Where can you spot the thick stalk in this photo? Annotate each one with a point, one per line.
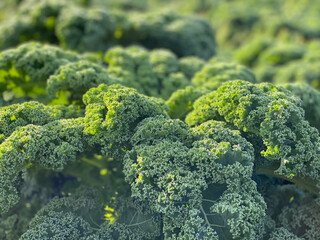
(306, 182)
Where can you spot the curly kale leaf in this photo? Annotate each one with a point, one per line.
(51, 146)
(34, 62)
(84, 216)
(181, 101)
(190, 66)
(214, 73)
(302, 218)
(24, 70)
(112, 113)
(76, 78)
(283, 234)
(18, 115)
(78, 215)
(273, 121)
(190, 177)
(310, 101)
(156, 73)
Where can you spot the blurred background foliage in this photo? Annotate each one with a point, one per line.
(237, 22)
(244, 29)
